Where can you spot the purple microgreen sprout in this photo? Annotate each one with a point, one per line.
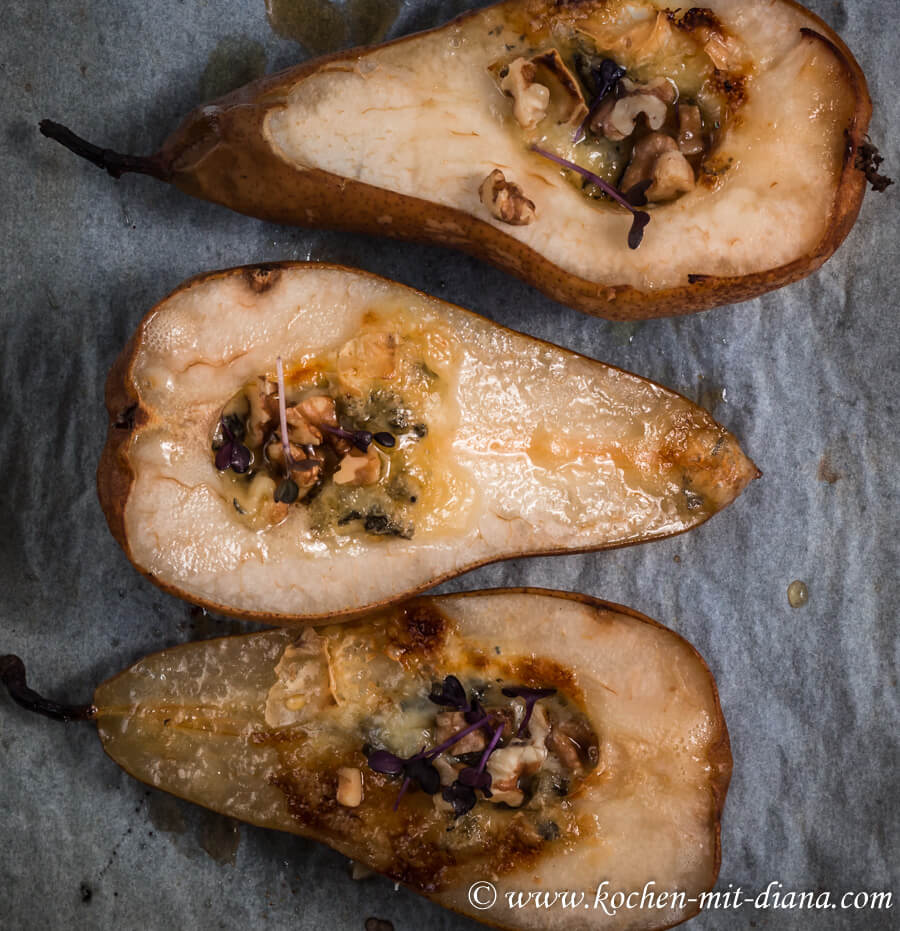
(475, 712)
(282, 411)
(361, 439)
(636, 195)
(451, 694)
(607, 77)
(641, 217)
(460, 796)
(458, 736)
(479, 778)
(425, 774)
(383, 761)
(403, 787)
(287, 491)
(530, 696)
(232, 454)
(421, 771)
(419, 767)
(416, 769)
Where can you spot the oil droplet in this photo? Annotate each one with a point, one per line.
(624, 332)
(798, 594)
(234, 62)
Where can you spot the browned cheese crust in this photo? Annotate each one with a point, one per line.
(416, 635)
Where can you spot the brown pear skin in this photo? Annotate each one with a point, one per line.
(238, 152)
(268, 727)
(513, 447)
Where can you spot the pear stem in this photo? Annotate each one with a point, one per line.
(12, 675)
(113, 162)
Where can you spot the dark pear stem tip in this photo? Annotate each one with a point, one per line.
(113, 162)
(12, 675)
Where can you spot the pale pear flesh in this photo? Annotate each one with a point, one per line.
(530, 448)
(196, 721)
(425, 119)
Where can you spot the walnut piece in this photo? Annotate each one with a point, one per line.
(319, 411)
(530, 100)
(365, 359)
(448, 723)
(350, 787)
(617, 118)
(275, 451)
(300, 430)
(506, 200)
(519, 758)
(656, 158)
(359, 468)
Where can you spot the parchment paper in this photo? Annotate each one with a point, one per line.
(806, 377)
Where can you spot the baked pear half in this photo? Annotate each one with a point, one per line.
(628, 159)
(477, 748)
(296, 441)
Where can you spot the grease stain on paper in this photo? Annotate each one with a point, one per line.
(322, 26)
(220, 836)
(234, 62)
(710, 395)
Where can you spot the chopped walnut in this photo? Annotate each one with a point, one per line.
(672, 175)
(506, 200)
(565, 748)
(519, 758)
(448, 723)
(275, 451)
(306, 472)
(366, 358)
(656, 158)
(617, 118)
(359, 468)
(512, 797)
(507, 765)
(575, 743)
(319, 411)
(350, 787)
(530, 100)
(300, 430)
(261, 415)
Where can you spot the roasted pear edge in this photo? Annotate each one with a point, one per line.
(204, 155)
(115, 475)
(719, 756)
